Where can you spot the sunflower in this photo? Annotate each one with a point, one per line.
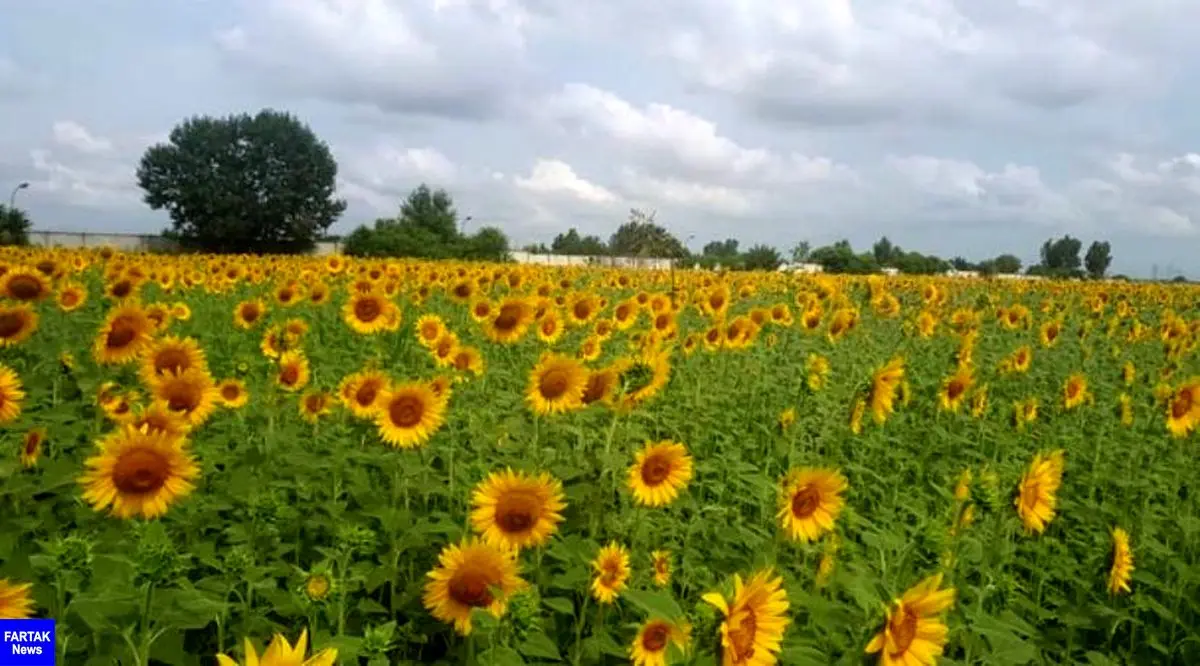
(15, 600)
(181, 311)
(275, 342)
(468, 359)
(370, 313)
(660, 470)
(914, 634)
(515, 510)
(171, 355)
(430, 329)
(470, 575)
(1122, 563)
(317, 586)
(31, 446)
(293, 372)
(361, 392)
(1183, 406)
(954, 389)
(11, 394)
(247, 314)
(441, 386)
(550, 327)
(282, 653)
(810, 502)
(123, 336)
(602, 384)
(512, 318)
(481, 310)
(883, 388)
(24, 284)
(650, 646)
(556, 384)
(755, 619)
(160, 315)
(409, 414)
(1050, 333)
(232, 393)
(660, 562)
(611, 567)
(1036, 497)
(318, 293)
(1075, 391)
(315, 404)
(138, 473)
(17, 323)
(643, 377)
(444, 349)
(158, 417)
(190, 393)
(590, 348)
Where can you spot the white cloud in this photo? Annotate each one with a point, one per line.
(655, 192)
(383, 174)
(550, 176)
(72, 135)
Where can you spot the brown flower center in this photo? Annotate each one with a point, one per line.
(11, 323)
(955, 389)
(655, 637)
(24, 288)
(367, 310)
(140, 471)
(406, 411)
(904, 630)
(121, 333)
(554, 383)
(741, 638)
(517, 511)
(805, 501)
(470, 588)
(366, 394)
(230, 392)
(656, 469)
(290, 375)
(32, 441)
(182, 397)
(171, 360)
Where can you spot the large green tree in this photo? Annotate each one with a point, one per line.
(642, 237)
(426, 227)
(242, 183)
(14, 226)
(1098, 258)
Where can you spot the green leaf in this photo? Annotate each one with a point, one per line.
(559, 605)
(500, 656)
(539, 645)
(656, 604)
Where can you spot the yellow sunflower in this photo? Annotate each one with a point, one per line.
(755, 619)
(884, 385)
(370, 313)
(811, 502)
(650, 646)
(315, 404)
(248, 314)
(659, 472)
(660, 562)
(24, 284)
(123, 336)
(15, 601)
(611, 568)
(282, 653)
(470, 575)
(17, 323)
(954, 389)
(430, 329)
(232, 393)
(550, 327)
(643, 377)
(556, 384)
(444, 349)
(11, 394)
(181, 311)
(170, 355)
(468, 359)
(1075, 391)
(138, 473)
(1036, 497)
(1121, 572)
(409, 414)
(361, 392)
(516, 510)
(191, 394)
(158, 417)
(294, 372)
(914, 633)
(31, 446)
(512, 318)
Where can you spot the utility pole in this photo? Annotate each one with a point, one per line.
(12, 198)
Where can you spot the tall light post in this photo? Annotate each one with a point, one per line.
(466, 219)
(12, 198)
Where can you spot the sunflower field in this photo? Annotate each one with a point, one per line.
(280, 461)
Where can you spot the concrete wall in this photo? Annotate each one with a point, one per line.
(582, 260)
(72, 239)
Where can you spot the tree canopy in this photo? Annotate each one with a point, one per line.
(572, 243)
(1097, 259)
(426, 227)
(261, 183)
(641, 237)
(14, 226)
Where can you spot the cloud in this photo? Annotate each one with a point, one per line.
(85, 169)
(551, 177)
(383, 174)
(71, 134)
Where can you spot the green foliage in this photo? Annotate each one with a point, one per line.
(572, 243)
(1007, 264)
(641, 237)
(1060, 257)
(14, 226)
(243, 183)
(1098, 258)
(840, 258)
(761, 258)
(427, 227)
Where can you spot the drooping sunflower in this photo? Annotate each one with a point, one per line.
(914, 633)
(369, 313)
(884, 385)
(15, 601)
(650, 646)
(123, 336)
(470, 575)
(361, 392)
(442, 386)
(602, 384)
(315, 404)
(643, 376)
(247, 314)
(556, 384)
(409, 414)
(810, 502)
(160, 315)
(191, 393)
(516, 510)
(659, 472)
(138, 473)
(468, 359)
(1183, 408)
(954, 389)
(660, 562)
(11, 394)
(282, 653)
(31, 446)
(611, 569)
(1037, 493)
(181, 311)
(232, 393)
(24, 284)
(444, 349)
(17, 323)
(170, 355)
(294, 372)
(1121, 571)
(157, 417)
(430, 329)
(755, 619)
(1075, 391)
(511, 320)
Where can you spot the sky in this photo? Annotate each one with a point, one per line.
(952, 127)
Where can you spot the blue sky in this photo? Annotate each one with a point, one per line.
(952, 127)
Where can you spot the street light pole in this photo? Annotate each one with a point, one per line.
(12, 198)
(464, 224)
